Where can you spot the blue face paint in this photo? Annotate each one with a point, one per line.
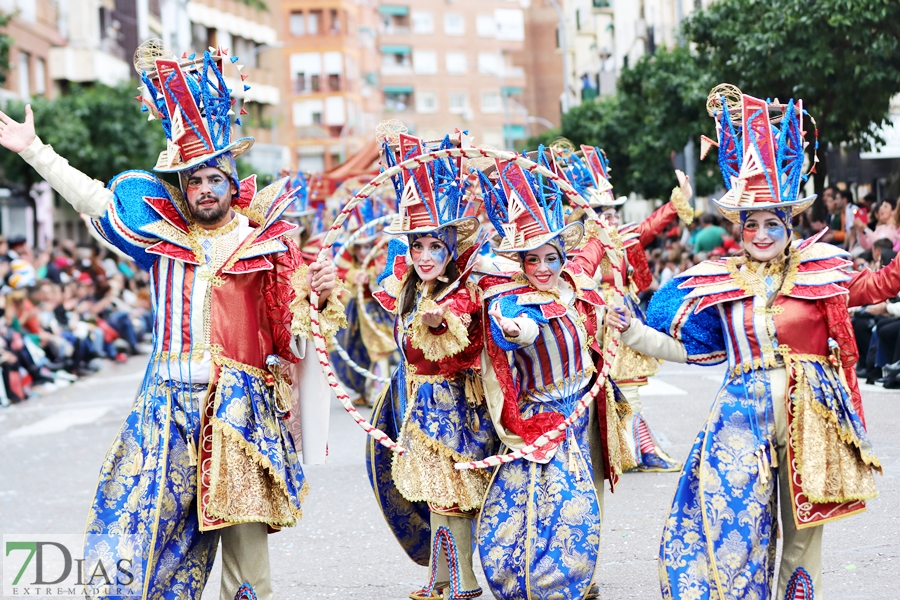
(776, 232)
(220, 189)
(440, 256)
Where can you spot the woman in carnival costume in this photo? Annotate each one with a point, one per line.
(539, 530)
(205, 453)
(786, 431)
(589, 174)
(434, 406)
(368, 339)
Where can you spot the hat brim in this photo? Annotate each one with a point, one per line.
(733, 213)
(236, 148)
(571, 235)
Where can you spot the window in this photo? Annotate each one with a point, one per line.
(456, 63)
(488, 63)
(335, 113)
(396, 62)
(306, 69)
(335, 19)
(397, 101)
(307, 113)
(510, 24)
(40, 76)
(426, 102)
(296, 24)
(24, 75)
(425, 62)
(312, 22)
(395, 24)
(454, 24)
(458, 102)
(422, 22)
(490, 102)
(486, 26)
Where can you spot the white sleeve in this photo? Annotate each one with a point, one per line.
(86, 195)
(892, 308)
(647, 340)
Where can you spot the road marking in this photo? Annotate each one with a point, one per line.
(656, 387)
(60, 421)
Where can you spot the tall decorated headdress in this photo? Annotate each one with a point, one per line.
(589, 174)
(432, 196)
(191, 99)
(761, 151)
(526, 209)
(299, 208)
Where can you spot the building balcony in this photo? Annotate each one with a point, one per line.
(87, 65)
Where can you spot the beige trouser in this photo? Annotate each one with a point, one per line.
(596, 444)
(803, 547)
(461, 530)
(245, 559)
(632, 394)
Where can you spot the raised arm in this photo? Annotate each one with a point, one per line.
(868, 287)
(677, 206)
(86, 195)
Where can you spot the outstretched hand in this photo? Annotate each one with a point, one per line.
(508, 326)
(618, 317)
(684, 182)
(17, 136)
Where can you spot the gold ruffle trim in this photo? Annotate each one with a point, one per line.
(831, 463)
(243, 485)
(620, 457)
(630, 364)
(425, 473)
(331, 318)
(682, 206)
(438, 347)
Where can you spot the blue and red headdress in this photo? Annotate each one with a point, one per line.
(527, 209)
(589, 175)
(431, 196)
(760, 155)
(192, 101)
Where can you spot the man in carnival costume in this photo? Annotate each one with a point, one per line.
(589, 174)
(786, 432)
(205, 453)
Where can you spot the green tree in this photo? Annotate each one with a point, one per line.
(842, 57)
(100, 130)
(5, 44)
(657, 108)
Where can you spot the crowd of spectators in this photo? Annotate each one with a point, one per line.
(65, 311)
(867, 228)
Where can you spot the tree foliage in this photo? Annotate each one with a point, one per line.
(6, 42)
(100, 130)
(842, 57)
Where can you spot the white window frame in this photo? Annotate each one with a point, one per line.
(486, 26)
(489, 63)
(491, 102)
(425, 62)
(454, 24)
(454, 106)
(457, 63)
(426, 102)
(421, 22)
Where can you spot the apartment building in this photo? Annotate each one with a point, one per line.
(331, 74)
(448, 65)
(249, 29)
(34, 30)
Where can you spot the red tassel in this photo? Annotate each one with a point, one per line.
(813, 170)
(244, 77)
(184, 55)
(244, 111)
(233, 100)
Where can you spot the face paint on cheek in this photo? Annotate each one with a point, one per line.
(748, 234)
(776, 232)
(220, 189)
(439, 256)
(531, 268)
(415, 254)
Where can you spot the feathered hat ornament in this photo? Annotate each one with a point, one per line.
(761, 151)
(527, 209)
(190, 98)
(431, 197)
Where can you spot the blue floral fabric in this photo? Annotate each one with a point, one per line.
(539, 530)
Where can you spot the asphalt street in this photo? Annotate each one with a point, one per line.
(51, 449)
